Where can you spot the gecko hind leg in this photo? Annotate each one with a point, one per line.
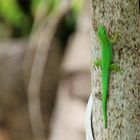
(114, 39)
(115, 68)
(98, 63)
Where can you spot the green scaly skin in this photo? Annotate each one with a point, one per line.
(106, 65)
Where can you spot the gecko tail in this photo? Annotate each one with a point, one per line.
(105, 114)
(105, 120)
(104, 97)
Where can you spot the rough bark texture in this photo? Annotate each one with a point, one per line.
(123, 105)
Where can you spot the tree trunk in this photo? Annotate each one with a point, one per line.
(123, 103)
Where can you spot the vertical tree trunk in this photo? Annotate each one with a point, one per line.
(123, 103)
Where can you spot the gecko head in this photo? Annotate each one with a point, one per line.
(101, 31)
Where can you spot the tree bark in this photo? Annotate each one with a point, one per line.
(123, 103)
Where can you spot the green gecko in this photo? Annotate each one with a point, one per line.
(106, 64)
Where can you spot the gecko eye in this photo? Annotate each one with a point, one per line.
(104, 31)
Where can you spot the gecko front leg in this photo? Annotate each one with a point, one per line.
(114, 39)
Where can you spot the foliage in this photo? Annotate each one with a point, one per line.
(51, 5)
(12, 15)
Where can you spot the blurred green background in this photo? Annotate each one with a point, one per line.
(17, 16)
